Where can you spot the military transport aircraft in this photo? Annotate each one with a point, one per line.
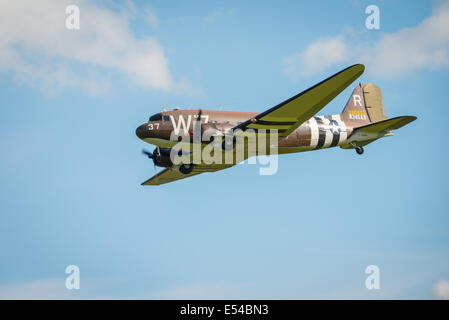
(362, 121)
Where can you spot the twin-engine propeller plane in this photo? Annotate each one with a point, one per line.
(298, 129)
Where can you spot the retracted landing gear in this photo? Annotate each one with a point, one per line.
(186, 168)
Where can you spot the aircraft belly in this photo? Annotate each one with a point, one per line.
(285, 150)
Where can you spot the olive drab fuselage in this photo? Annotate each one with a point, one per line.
(316, 133)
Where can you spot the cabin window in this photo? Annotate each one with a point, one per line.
(156, 117)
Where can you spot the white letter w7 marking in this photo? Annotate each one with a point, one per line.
(181, 123)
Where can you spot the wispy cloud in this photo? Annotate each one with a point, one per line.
(39, 289)
(218, 14)
(37, 48)
(425, 46)
(441, 290)
(152, 18)
(207, 291)
(317, 57)
(54, 288)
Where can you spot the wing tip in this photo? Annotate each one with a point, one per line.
(358, 66)
(409, 118)
(146, 183)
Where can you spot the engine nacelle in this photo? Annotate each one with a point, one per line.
(161, 157)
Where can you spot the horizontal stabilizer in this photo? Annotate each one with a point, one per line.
(365, 134)
(386, 125)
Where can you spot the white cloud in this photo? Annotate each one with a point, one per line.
(441, 290)
(317, 57)
(37, 48)
(425, 46)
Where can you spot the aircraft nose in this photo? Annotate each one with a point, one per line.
(142, 131)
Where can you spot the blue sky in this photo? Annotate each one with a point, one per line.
(71, 166)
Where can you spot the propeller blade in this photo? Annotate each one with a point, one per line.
(147, 153)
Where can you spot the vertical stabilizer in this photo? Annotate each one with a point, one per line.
(364, 105)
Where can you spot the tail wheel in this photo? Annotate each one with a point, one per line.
(359, 150)
(186, 168)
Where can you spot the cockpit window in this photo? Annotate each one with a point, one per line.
(166, 118)
(156, 117)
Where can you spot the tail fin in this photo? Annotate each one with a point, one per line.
(364, 105)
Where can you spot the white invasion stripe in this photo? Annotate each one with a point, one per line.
(329, 135)
(343, 132)
(314, 132)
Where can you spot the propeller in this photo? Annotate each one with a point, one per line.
(155, 155)
(197, 123)
(147, 153)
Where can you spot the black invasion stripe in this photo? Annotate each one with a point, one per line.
(278, 130)
(270, 123)
(322, 134)
(336, 134)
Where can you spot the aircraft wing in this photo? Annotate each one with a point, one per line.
(290, 114)
(373, 131)
(172, 174)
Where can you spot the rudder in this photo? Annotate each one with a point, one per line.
(373, 102)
